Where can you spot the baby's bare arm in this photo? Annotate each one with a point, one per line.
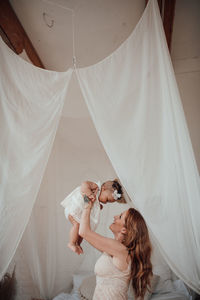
(89, 189)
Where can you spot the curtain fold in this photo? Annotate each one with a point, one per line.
(30, 109)
(135, 105)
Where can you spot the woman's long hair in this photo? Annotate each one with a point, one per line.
(139, 248)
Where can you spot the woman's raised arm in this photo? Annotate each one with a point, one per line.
(103, 244)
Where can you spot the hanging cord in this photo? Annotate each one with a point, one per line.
(73, 40)
(73, 29)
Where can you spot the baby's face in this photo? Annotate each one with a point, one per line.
(106, 196)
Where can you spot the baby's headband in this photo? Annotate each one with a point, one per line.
(116, 195)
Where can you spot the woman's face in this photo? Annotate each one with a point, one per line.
(119, 222)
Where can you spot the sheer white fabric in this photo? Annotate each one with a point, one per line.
(135, 105)
(31, 103)
(75, 157)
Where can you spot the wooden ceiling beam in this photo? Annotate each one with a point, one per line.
(167, 9)
(14, 34)
(168, 19)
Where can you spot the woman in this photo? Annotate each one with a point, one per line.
(124, 258)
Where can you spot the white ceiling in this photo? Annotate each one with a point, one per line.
(100, 27)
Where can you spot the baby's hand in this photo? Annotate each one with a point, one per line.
(92, 197)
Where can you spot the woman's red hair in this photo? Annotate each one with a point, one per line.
(139, 247)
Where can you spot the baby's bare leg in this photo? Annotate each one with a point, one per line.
(79, 244)
(74, 236)
(79, 240)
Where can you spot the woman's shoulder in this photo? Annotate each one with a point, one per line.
(121, 253)
(123, 262)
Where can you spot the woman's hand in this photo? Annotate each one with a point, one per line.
(87, 202)
(90, 189)
(92, 197)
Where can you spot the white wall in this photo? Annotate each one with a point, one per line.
(186, 60)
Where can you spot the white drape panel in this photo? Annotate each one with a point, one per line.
(30, 109)
(135, 105)
(76, 154)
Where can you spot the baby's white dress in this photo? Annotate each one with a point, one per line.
(74, 204)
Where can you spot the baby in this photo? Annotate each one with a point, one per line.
(109, 191)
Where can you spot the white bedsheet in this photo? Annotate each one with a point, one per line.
(171, 296)
(64, 296)
(166, 296)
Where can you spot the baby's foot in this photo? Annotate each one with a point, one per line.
(79, 249)
(72, 247)
(75, 248)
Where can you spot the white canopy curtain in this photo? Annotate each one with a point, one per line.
(31, 103)
(135, 105)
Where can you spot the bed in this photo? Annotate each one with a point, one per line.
(164, 289)
(165, 284)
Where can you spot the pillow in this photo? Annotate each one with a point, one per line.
(179, 286)
(165, 284)
(87, 288)
(78, 279)
(147, 296)
(161, 268)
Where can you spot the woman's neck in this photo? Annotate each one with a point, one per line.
(119, 237)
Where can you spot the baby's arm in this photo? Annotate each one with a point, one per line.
(89, 189)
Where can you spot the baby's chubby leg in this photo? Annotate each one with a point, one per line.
(80, 239)
(74, 244)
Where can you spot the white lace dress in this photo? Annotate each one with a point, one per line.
(111, 283)
(74, 204)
